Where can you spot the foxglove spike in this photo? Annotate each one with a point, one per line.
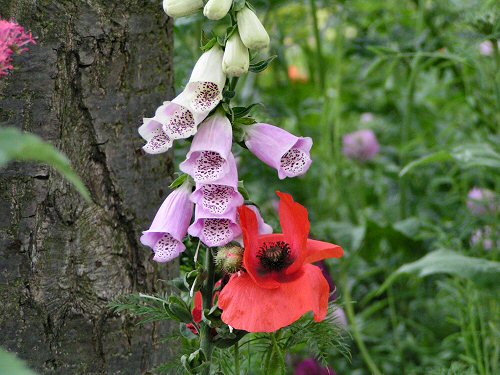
(157, 140)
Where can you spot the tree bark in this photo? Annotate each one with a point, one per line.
(98, 67)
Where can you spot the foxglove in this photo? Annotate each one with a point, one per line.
(214, 230)
(170, 225)
(180, 118)
(157, 140)
(288, 154)
(252, 32)
(236, 59)
(181, 8)
(217, 9)
(208, 159)
(222, 195)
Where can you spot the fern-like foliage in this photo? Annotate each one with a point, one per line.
(148, 308)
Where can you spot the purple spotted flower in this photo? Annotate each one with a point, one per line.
(482, 201)
(208, 159)
(361, 145)
(214, 230)
(221, 195)
(311, 367)
(180, 118)
(170, 225)
(288, 154)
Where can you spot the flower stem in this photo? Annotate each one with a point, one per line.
(236, 359)
(207, 292)
(355, 329)
(319, 50)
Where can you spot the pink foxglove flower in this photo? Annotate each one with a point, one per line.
(288, 154)
(361, 145)
(208, 159)
(170, 225)
(181, 117)
(157, 140)
(214, 230)
(222, 195)
(482, 201)
(13, 40)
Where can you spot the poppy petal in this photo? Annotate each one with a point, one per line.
(198, 307)
(319, 250)
(248, 307)
(250, 229)
(295, 224)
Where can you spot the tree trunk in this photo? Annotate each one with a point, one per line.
(98, 67)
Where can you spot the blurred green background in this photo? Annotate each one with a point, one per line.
(424, 76)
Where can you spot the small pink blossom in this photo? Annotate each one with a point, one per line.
(484, 237)
(361, 145)
(486, 48)
(482, 201)
(13, 40)
(367, 117)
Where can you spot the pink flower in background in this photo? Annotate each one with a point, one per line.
(484, 237)
(170, 225)
(222, 195)
(288, 154)
(13, 40)
(486, 48)
(361, 145)
(312, 367)
(482, 201)
(208, 159)
(367, 117)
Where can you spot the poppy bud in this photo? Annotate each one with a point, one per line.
(236, 57)
(181, 8)
(252, 32)
(229, 258)
(217, 9)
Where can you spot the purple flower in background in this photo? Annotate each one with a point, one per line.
(288, 154)
(13, 40)
(339, 312)
(221, 195)
(170, 225)
(180, 117)
(157, 140)
(484, 237)
(367, 117)
(214, 230)
(361, 145)
(207, 160)
(486, 48)
(312, 367)
(481, 201)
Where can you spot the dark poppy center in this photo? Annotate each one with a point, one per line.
(274, 256)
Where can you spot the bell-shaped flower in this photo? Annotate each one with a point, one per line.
(288, 154)
(214, 230)
(208, 159)
(157, 140)
(279, 284)
(181, 8)
(217, 9)
(181, 117)
(170, 225)
(236, 57)
(252, 32)
(222, 195)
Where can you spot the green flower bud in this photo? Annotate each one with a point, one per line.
(236, 57)
(217, 9)
(181, 8)
(252, 32)
(229, 258)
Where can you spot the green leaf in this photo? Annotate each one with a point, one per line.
(261, 65)
(20, 146)
(238, 5)
(243, 111)
(439, 156)
(179, 181)
(481, 271)
(10, 364)
(243, 191)
(208, 45)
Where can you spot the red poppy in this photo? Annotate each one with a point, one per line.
(279, 285)
(197, 312)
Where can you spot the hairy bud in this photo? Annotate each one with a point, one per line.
(229, 258)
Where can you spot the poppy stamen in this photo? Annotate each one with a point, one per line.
(274, 256)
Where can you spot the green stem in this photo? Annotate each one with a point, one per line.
(346, 293)
(236, 359)
(319, 50)
(207, 292)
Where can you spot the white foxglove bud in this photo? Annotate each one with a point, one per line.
(252, 32)
(181, 8)
(236, 57)
(217, 9)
